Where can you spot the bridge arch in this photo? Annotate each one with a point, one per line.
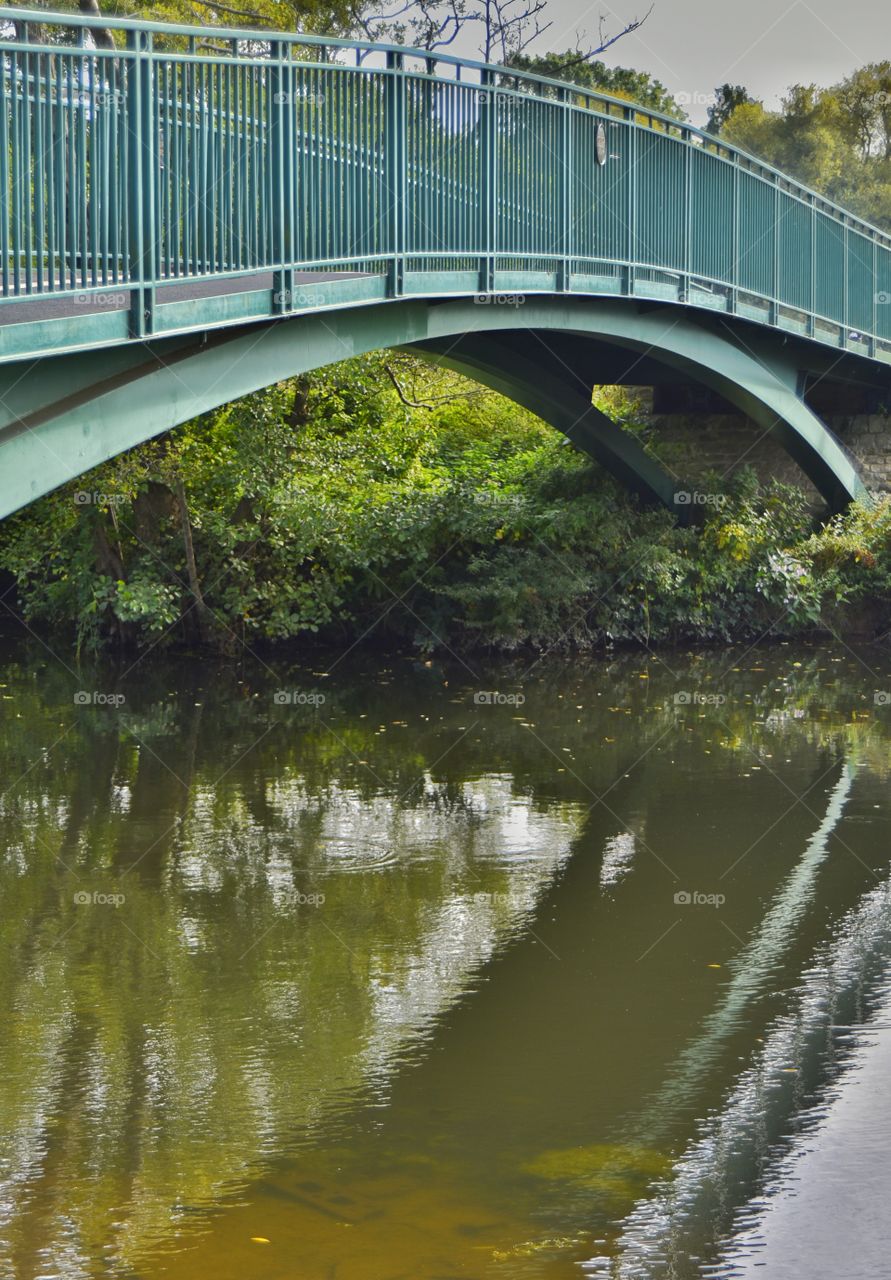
(63, 416)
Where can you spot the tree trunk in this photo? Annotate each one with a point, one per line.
(201, 611)
(102, 37)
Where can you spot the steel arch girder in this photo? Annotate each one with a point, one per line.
(569, 409)
(48, 440)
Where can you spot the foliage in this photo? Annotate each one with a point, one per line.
(727, 98)
(836, 140)
(341, 505)
(620, 82)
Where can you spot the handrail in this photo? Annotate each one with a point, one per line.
(688, 132)
(145, 166)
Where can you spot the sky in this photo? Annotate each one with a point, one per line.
(694, 45)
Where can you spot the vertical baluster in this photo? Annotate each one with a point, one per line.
(40, 157)
(19, 67)
(7, 89)
(142, 150)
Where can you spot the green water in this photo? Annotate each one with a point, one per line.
(385, 979)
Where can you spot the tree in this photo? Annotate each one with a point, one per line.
(727, 98)
(866, 98)
(835, 140)
(620, 82)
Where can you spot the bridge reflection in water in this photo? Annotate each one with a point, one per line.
(400, 980)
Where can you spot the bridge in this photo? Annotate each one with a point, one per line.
(197, 213)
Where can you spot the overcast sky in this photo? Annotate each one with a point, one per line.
(693, 45)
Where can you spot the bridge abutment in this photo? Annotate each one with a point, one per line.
(698, 440)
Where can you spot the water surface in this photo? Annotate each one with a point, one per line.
(427, 970)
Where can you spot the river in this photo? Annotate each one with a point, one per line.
(405, 969)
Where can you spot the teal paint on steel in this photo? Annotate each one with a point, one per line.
(272, 175)
(60, 417)
(271, 152)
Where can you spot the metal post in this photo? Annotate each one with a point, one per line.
(774, 308)
(735, 239)
(811, 320)
(564, 190)
(395, 171)
(875, 300)
(142, 159)
(280, 107)
(632, 200)
(688, 211)
(488, 179)
(845, 309)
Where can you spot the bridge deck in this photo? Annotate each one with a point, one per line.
(54, 305)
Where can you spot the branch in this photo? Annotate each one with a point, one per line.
(426, 404)
(605, 42)
(234, 13)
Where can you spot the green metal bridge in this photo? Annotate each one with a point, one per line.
(198, 213)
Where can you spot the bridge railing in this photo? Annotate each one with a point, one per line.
(190, 155)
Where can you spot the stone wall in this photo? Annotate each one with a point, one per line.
(693, 445)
